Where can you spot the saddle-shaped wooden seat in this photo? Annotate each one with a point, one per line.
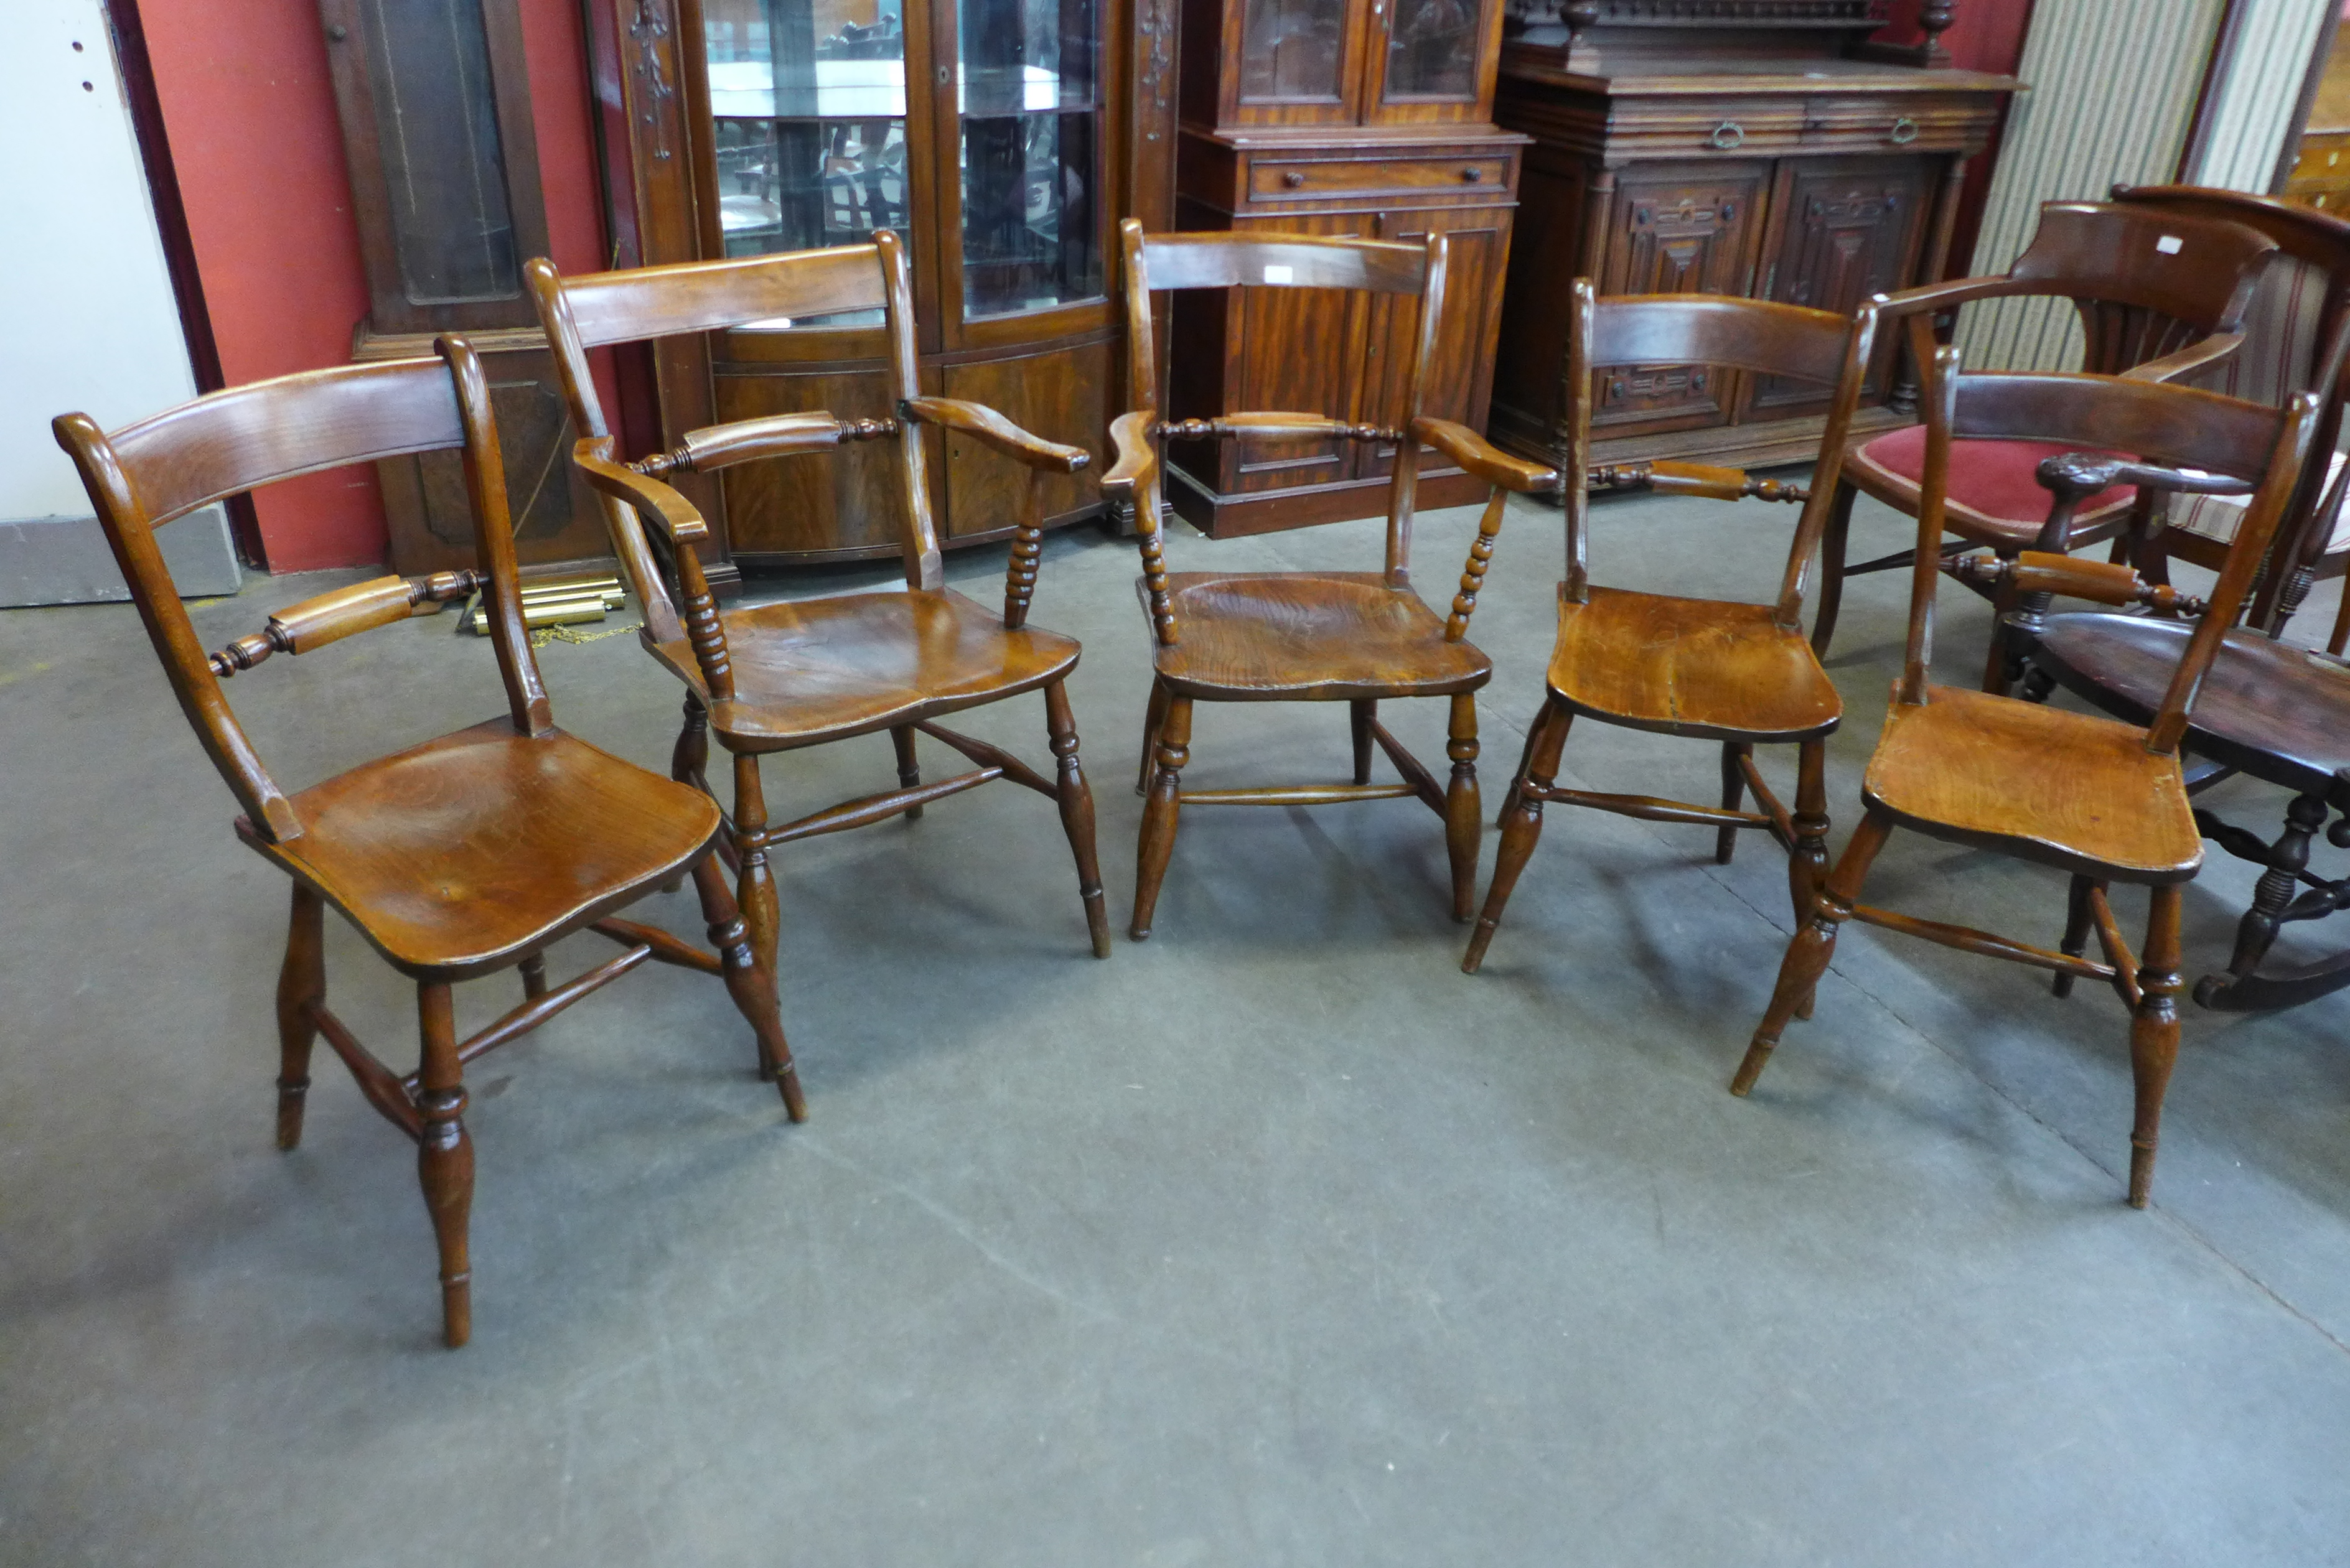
(1279, 637)
(1704, 668)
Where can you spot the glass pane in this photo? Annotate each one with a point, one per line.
(1031, 103)
(1293, 50)
(1432, 49)
(438, 127)
(809, 98)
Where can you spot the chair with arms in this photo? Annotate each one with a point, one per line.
(2103, 800)
(456, 859)
(1741, 675)
(779, 677)
(1292, 637)
(2159, 295)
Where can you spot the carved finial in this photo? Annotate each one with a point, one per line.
(1934, 19)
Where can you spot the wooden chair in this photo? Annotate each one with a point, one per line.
(456, 859)
(1739, 674)
(1310, 636)
(2102, 800)
(2159, 295)
(781, 677)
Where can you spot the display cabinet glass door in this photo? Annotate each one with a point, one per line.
(1300, 63)
(808, 104)
(1029, 131)
(1428, 60)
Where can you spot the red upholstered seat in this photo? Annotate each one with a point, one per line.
(1996, 492)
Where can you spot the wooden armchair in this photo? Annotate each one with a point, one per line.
(456, 859)
(2159, 295)
(780, 677)
(1311, 637)
(2102, 800)
(1739, 674)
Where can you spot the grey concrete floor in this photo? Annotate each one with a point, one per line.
(1272, 1240)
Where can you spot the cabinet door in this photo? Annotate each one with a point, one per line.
(1430, 60)
(1841, 230)
(1294, 62)
(1480, 245)
(1677, 231)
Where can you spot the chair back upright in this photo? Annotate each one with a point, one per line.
(229, 442)
(2296, 340)
(1752, 335)
(595, 309)
(1166, 263)
(2182, 434)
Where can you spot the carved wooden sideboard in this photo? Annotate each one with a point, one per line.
(1752, 147)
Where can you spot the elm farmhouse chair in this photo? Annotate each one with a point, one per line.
(2103, 800)
(1306, 636)
(779, 677)
(2270, 709)
(456, 859)
(1741, 675)
(2158, 295)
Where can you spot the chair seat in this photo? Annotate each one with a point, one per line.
(1273, 637)
(2070, 790)
(463, 855)
(1689, 667)
(811, 670)
(1996, 497)
(2274, 709)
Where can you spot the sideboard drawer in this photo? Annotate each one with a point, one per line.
(1308, 179)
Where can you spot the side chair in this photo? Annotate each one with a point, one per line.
(2102, 800)
(1358, 637)
(2159, 295)
(1741, 675)
(780, 677)
(457, 858)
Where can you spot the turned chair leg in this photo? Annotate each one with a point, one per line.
(1361, 714)
(444, 1156)
(1814, 945)
(909, 769)
(1833, 545)
(687, 762)
(1807, 867)
(1525, 755)
(1733, 795)
(1159, 814)
(1076, 802)
(1524, 827)
(2078, 917)
(1463, 812)
(753, 988)
(301, 987)
(534, 975)
(1150, 722)
(2287, 859)
(756, 889)
(2153, 1035)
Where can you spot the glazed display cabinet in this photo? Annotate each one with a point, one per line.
(1763, 147)
(989, 134)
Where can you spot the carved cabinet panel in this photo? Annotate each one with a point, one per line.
(1678, 232)
(1842, 231)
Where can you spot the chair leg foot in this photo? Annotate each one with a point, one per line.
(1808, 866)
(2154, 1037)
(1521, 830)
(1464, 813)
(1160, 812)
(301, 987)
(752, 988)
(1076, 803)
(445, 1158)
(1814, 947)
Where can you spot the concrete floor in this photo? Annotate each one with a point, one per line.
(1272, 1240)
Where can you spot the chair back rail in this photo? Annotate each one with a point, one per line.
(2168, 427)
(2147, 284)
(232, 441)
(1759, 336)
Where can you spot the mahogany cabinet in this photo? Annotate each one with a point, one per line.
(1361, 118)
(997, 137)
(1750, 148)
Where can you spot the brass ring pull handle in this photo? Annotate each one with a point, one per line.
(1728, 137)
(1905, 131)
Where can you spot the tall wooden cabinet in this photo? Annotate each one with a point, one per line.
(1365, 118)
(1750, 147)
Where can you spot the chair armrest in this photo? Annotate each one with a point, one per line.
(2099, 581)
(1137, 457)
(2079, 474)
(987, 426)
(1475, 454)
(672, 514)
(1670, 478)
(330, 617)
(2209, 351)
(1939, 296)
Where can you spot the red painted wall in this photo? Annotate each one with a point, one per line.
(249, 110)
(1987, 36)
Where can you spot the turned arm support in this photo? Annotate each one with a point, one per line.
(344, 612)
(2100, 582)
(1135, 458)
(669, 512)
(1693, 479)
(1133, 476)
(1474, 455)
(990, 428)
